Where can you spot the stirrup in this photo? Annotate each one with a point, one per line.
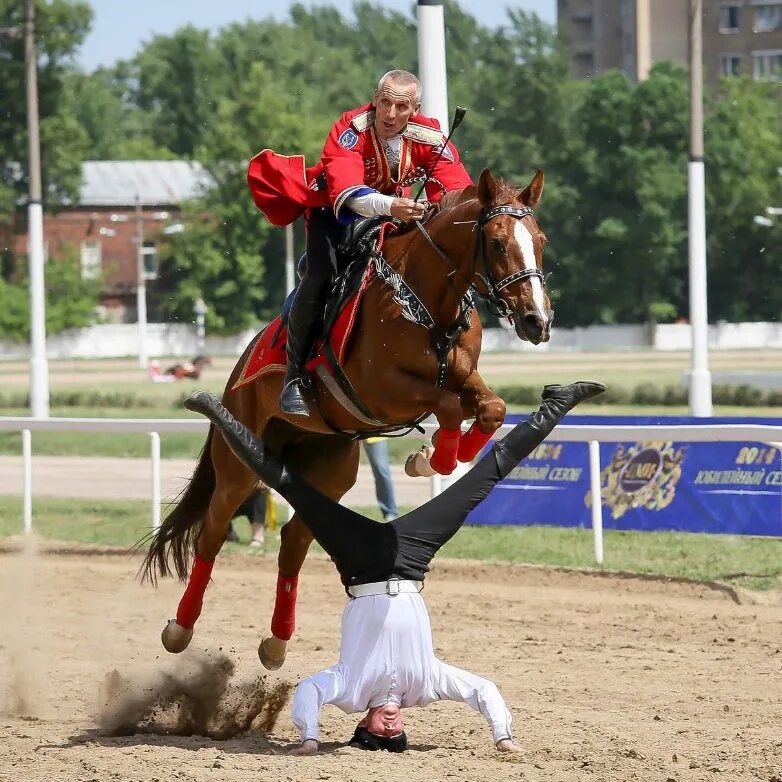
(291, 400)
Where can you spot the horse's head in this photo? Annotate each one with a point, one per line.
(510, 251)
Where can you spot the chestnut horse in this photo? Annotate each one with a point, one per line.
(483, 239)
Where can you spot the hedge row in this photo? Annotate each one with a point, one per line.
(89, 398)
(644, 394)
(652, 394)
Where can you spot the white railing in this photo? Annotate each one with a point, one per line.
(593, 435)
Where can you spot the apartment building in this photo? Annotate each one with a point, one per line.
(740, 37)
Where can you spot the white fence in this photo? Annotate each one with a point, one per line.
(115, 340)
(593, 435)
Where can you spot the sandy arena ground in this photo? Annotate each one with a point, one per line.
(608, 679)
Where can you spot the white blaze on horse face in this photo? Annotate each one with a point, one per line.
(524, 240)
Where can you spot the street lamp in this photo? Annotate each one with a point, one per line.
(700, 377)
(200, 308)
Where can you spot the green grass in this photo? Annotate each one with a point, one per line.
(754, 563)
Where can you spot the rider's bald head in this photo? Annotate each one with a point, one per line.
(402, 80)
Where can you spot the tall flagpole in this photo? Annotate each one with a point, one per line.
(39, 368)
(431, 61)
(700, 377)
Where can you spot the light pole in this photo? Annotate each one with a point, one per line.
(700, 377)
(431, 61)
(39, 367)
(141, 287)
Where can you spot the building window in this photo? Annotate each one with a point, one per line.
(767, 65)
(90, 259)
(151, 260)
(729, 19)
(730, 65)
(768, 17)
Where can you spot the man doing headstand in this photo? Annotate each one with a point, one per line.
(387, 659)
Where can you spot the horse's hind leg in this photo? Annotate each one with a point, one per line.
(233, 483)
(332, 471)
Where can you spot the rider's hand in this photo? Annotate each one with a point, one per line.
(407, 210)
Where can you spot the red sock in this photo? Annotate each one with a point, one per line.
(284, 616)
(190, 605)
(471, 443)
(444, 457)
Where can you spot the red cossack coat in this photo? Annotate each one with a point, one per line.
(354, 163)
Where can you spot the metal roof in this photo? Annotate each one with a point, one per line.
(154, 182)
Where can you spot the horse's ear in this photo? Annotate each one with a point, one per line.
(487, 188)
(533, 191)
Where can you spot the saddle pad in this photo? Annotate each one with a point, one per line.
(268, 355)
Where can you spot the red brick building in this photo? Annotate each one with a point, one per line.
(115, 196)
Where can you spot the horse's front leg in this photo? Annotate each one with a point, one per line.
(446, 407)
(233, 483)
(479, 402)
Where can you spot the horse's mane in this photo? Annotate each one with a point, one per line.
(506, 193)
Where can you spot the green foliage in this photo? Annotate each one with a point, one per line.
(614, 152)
(61, 27)
(70, 301)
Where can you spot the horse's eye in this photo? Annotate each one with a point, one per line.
(499, 246)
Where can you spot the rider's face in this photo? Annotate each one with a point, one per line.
(394, 105)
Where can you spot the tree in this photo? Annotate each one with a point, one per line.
(61, 26)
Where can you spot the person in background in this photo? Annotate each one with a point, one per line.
(255, 508)
(376, 449)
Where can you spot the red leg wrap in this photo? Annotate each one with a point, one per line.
(190, 605)
(444, 457)
(471, 443)
(284, 616)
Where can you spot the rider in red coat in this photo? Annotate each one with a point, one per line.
(371, 158)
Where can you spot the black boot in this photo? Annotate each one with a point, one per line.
(556, 402)
(248, 448)
(304, 321)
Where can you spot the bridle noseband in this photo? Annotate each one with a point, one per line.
(494, 301)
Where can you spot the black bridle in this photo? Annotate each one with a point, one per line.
(493, 298)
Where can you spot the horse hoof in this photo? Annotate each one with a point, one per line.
(176, 638)
(417, 464)
(272, 653)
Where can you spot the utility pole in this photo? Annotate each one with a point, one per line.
(700, 377)
(141, 287)
(39, 367)
(431, 61)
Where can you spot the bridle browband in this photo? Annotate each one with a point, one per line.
(493, 298)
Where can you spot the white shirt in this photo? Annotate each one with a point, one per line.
(376, 204)
(387, 656)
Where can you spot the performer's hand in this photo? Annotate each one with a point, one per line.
(407, 210)
(308, 747)
(508, 745)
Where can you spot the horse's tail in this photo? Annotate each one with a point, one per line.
(174, 542)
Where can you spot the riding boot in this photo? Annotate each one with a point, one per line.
(240, 440)
(556, 401)
(304, 321)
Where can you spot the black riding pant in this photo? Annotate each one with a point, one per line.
(365, 550)
(324, 235)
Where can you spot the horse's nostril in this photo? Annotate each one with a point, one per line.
(533, 323)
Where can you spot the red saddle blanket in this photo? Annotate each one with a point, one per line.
(268, 355)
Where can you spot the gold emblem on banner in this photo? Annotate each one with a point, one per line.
(643, 475)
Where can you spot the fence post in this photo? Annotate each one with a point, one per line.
(154, 438)
(27, 481)
(597, 500)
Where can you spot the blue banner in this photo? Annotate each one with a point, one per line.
(732, 488)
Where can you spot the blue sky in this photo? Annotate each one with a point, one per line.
(120, 27)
